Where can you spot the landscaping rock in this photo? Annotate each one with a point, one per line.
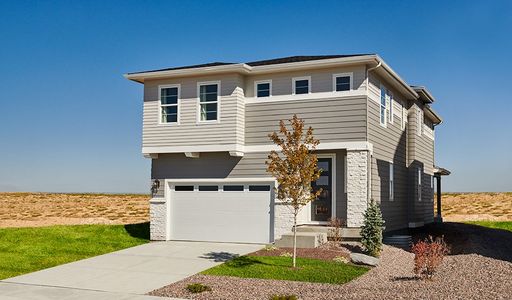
(361, 259)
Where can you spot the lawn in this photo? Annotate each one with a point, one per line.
(277, 267)
(24, 250)
(492, 224)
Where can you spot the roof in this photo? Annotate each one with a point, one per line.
(441, 171)
(275, 61)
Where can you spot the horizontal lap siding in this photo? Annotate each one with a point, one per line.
(321, 80)
(189, 132)
(333, 120)
(389, 145)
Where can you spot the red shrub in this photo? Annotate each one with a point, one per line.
(428, 255)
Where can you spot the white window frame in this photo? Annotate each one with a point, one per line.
(419, 121)
(295, 79)
(348, 74)
(198, 106)
(420, 189)
(262, 82)
(385, 123)
(391, 181)
(404, 116)
(390, 100)
(160, 105)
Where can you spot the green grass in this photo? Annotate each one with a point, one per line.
(270, 267)
(505, 225)
(24, 250)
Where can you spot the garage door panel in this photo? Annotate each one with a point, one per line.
(231, 216)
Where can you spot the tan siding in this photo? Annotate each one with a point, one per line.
(230, 129)
(321, 80)
(334, 119)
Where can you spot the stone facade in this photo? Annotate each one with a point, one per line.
(283, 219)
(158, 217)
(357, 187)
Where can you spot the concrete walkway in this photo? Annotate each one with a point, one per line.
(124, 274)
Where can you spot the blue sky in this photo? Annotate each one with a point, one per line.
(71, 123)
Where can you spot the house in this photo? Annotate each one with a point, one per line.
(205, 129)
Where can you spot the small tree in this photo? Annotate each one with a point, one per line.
(294, 168)
(371, 231)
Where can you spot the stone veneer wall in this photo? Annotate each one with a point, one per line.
(357, 186)
(158, 219)
(283, 219)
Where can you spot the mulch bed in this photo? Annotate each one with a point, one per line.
(328, 251)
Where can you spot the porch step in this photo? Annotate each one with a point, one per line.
(399, 241)
(347, 234)
(304, 239)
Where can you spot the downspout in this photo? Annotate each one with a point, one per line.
(370, 156)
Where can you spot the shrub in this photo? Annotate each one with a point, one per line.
(334, 232)
(340, 259)
(283, 297)
(371, 231)
(198, 288)
(286, 254)
(270, 247)
(428, 255)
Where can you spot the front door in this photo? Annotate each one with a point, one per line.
(321, 208)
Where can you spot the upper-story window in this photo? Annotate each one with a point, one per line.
(342, 82)
(389, 102)
(301, 85)
(208, 101)
(383, 118)
(169, 95)
(404, 116)
(420, 174)
(263, 88)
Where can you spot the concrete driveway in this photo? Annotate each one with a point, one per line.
(123, 274)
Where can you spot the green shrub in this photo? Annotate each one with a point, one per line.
(198, 288)
(283, 297)
(371, 231)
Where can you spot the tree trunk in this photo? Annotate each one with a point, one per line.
(294, 238)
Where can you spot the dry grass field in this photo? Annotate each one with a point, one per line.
(463, 207)
(43, 209)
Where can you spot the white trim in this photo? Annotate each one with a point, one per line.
(311, 96)
(236, 153)
(355, 146)
(221, 180)
(294, 79)
(389, 95)
(332, 156)
(385, 123)
(192, 154)
(198, 106)
(348, 74)
(420, 184)
(178, 102)
(151, 155)
(269, 81)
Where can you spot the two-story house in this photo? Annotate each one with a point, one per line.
(205, 129)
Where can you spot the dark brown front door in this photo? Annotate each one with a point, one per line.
(321, 207)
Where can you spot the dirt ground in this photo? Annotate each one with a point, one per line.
(42, 209)
(477, 207)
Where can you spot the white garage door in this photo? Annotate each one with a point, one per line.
(221, 212)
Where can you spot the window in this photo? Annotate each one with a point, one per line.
(184, 188)
(419, 183)
(208, 188)
(233, 188)
(263, 88)
(391, 182)
(383, 119)
(208, 101)
(419, 122)
(169, 95)
(342, 82)
(259, 188)
(390, 100)
(301, 85)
